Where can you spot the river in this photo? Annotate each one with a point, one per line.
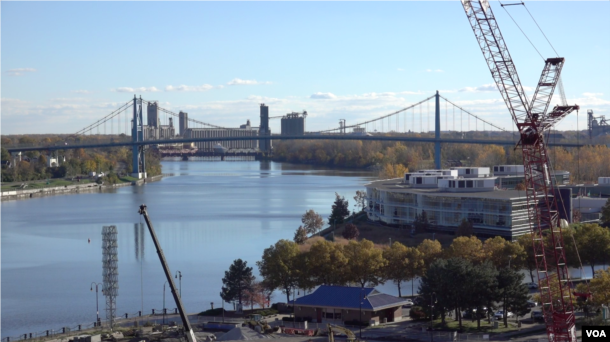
(206, 214)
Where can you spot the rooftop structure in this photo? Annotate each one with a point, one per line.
(329, 304)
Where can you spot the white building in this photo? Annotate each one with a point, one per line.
(448, 197)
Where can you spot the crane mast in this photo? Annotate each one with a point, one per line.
(532, 121)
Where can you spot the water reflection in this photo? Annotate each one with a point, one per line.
(138, 232)
(215, 213)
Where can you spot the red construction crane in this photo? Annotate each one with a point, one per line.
(533, 120)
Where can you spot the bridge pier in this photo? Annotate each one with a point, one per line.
(137, 134)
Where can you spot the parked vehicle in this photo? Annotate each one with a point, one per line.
(419, 301)
(537, 316)
(500, 314)
(532, 286)
(532, 304)
(472, 313)
(408, 304)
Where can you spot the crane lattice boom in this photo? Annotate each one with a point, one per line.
(532, 120)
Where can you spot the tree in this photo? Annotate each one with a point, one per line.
(350, 231)
(328, 263)
(430, 251)
(392, 171)
(255, 295)
(421, 223)
(340, 210)
(520, 186)
(593, 243)
(469, 248)
(403, 263)
(300, 236)
(465, 228)
(414, 265)
(483, 289)
(600, 288)
(525, 241)
(237, 280)
(503, 253)
(5, 155)
(42, 160)
(447, 282)
(277, 266)
(360, 200)
(365, 262)
(513, 293)
(605, 219)
(312, 221)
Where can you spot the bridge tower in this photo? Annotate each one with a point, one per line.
(437, 132)
(137, 134)
(263, 130)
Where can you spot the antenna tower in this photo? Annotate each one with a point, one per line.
(110, 271)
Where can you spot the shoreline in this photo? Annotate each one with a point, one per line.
(71, 189)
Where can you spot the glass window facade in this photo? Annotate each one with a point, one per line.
(491, 216)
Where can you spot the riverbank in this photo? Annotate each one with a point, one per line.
(71, 189)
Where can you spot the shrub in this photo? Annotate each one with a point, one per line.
(350, 231)
(210, 312)
(417, 312)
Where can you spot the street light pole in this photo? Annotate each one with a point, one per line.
(432, 315)
(362, 298)
(97, 306)
(179, 277)
(164, 302)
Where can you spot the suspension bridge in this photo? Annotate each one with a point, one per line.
(420, 122)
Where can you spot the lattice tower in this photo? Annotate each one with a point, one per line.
(110, 273)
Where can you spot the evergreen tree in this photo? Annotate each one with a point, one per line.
(483, 289)
(237, 281)
(340, 210)
(605, 219)
(512, 293)
(300, 236)
(465, 229)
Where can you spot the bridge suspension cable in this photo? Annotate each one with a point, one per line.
(474, 116)
(377, 119)
(104, 119)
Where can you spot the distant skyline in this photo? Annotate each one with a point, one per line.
(67, 64)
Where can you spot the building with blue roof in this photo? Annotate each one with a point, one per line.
(329, 304)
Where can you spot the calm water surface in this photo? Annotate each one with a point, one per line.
(206, 215)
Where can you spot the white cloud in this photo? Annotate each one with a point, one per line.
(592, 94)
(19, 71)
(204, 87)
(484, 87)
(134, 90)
(239, 81)
(81, 91)
(322, 96)
(400, 69)
(434, 70)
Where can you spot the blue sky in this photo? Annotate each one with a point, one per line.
(67, 64)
